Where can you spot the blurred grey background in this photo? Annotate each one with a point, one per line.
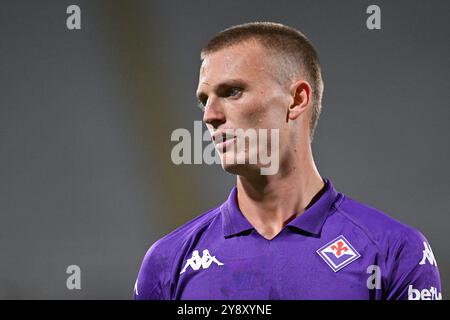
(86, 116)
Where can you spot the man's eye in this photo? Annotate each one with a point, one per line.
(202, 103)
(234, 91)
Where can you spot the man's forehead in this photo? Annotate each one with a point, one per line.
(235, 60)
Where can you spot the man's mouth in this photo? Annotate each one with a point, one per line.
(223, 141)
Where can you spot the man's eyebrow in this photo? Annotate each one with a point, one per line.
(221, 86)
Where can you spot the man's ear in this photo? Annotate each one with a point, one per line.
(301, 94)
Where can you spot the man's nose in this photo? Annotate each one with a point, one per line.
(214, 114)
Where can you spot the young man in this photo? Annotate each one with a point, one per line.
(288, 234)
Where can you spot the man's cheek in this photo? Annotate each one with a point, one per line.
(255, 115)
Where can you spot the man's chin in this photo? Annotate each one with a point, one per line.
(241, 169)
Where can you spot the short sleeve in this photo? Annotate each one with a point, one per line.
(152, 274)
(414, 271)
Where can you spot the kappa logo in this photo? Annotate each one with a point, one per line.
(195, 262)
(428, 255)
(338, 253)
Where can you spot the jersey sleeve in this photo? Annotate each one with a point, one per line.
(150, 284)
(414, 271)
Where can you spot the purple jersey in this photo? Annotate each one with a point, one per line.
(337, 249)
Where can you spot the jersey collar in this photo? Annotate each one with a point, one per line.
(311, 220)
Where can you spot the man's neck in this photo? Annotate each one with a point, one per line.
(271, 202)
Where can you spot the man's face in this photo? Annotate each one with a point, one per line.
(239, 89)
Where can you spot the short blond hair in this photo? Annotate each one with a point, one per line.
(282, 40)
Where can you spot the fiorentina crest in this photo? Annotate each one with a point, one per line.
(338, 253)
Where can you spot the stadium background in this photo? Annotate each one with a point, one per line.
(86, 116)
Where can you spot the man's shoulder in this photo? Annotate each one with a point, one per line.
(405, 255)
(162, 258)
(377, 225)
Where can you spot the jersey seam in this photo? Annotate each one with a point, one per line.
(346, 215)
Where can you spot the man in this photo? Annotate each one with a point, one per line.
(290, 234)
